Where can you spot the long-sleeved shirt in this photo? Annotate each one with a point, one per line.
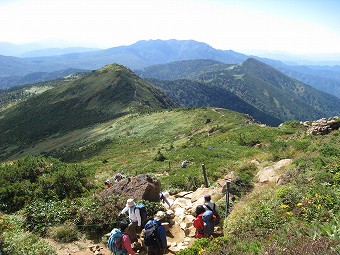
(126, 244)
(211, 205)
(161, 232)
(134, 214)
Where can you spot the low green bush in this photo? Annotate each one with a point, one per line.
(298, 239)
(64, 233)
(152, 207)
(196, 248)
(94, 215)
(244, 181)
(38, 178)
(183, 180)
(97, 215)
(39, 215)
(319, 203)
(323, 177)
(159, 157)
(15, 240)
(329, 229)
(336, 178)
(288, 195)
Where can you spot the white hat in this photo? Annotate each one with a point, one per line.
(160, 215)
(130, 203)
(166, 194)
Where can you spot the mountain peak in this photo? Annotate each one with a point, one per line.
(254, 62)
(112, 67)
(101, 95)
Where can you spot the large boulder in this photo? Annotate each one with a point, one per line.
(140, 187)
(270, 173)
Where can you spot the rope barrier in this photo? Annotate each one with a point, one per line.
(52, 224)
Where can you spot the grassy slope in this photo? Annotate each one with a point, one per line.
(133, 141)
(258, 222)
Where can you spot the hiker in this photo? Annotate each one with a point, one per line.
(204, 222)
(119, 241)
(208, 205)
(134, 217)
(118, 177)
(155, 236)
(163, 196)
(198, 222)
(126, 242)
(108, 183)
(184, 164)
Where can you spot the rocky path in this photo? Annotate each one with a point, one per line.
(180, 232)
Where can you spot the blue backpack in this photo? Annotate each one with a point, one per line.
(208, 221)
(115, 242)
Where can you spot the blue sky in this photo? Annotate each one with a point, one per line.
(293, 26)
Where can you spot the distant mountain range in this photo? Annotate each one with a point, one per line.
(37, 50)
(146, 53)
(251, 87)
(37, 77)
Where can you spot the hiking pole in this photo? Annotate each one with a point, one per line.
(227, 198)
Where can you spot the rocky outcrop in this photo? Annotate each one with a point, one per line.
(140, 187)
(270, 173)
(322, 126)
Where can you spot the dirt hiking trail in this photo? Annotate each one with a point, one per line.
(180, 232)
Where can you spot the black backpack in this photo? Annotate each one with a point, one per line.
(151, 237)
(214, 211)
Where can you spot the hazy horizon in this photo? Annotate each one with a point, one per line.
(287, 27)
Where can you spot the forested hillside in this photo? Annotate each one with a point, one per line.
(251, 87)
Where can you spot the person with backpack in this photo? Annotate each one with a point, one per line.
(204, 222)
(184, 164)
(107, 183)
(155, 235)
(118, 177)
(119, 242)
(134, 217)
(163, 196)
(208, 205)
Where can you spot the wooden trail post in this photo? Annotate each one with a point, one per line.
(227, 198)
(205, 177)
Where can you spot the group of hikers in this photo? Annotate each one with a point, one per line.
(154, 233)
(117, 178)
